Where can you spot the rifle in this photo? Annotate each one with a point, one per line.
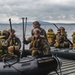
(11, 30)
(66, 37)
(24, 32)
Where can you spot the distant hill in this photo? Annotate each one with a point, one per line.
(41, 22)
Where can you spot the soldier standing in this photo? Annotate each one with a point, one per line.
(36, 24)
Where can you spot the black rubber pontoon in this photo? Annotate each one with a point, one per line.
(29, 66)
(64, 53)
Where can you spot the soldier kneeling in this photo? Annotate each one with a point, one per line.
(38, 44)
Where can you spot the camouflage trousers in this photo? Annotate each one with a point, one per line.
(36, 53)
(61, 45)
(33, 52)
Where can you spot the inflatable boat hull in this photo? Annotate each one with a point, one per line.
(67, 54)
(29, 66)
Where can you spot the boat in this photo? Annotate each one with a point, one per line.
(41, 65)
(66, 53)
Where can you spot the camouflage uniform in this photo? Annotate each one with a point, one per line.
(73, 39)
(3, 43)
(38, 46)
(13, 42)
(43, 32)
(6, 44)
(61, 39)
(63, 32)
(51, 37)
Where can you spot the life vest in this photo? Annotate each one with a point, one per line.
(12, 42)
(50, 36)
(36, 44)
(64, 34)
(73, 38)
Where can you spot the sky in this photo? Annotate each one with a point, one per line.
(56, 11)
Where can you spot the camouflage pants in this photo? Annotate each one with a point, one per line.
(36, 53)
(62, 45)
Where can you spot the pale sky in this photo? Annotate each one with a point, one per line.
(42, 10)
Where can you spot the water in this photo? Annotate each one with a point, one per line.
(18, 28)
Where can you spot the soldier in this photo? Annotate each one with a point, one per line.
(14, 43)
(38, 44)
(51, 37)
(3, 43)
(73, 39)
(36, 24)
(61, 39)
(63, 32)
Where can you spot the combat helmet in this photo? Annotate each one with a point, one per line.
(62, 28)
(50, 30)
(36, 23)
(4, 32)
(36, 30)
(13, 31)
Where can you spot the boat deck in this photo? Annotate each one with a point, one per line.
(68, 67)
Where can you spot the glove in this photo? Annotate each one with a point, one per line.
(11, 34)
(24, 40)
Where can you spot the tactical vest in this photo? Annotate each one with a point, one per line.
(73, 38)
(12, 42)
(36, 44)
(64, 35)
